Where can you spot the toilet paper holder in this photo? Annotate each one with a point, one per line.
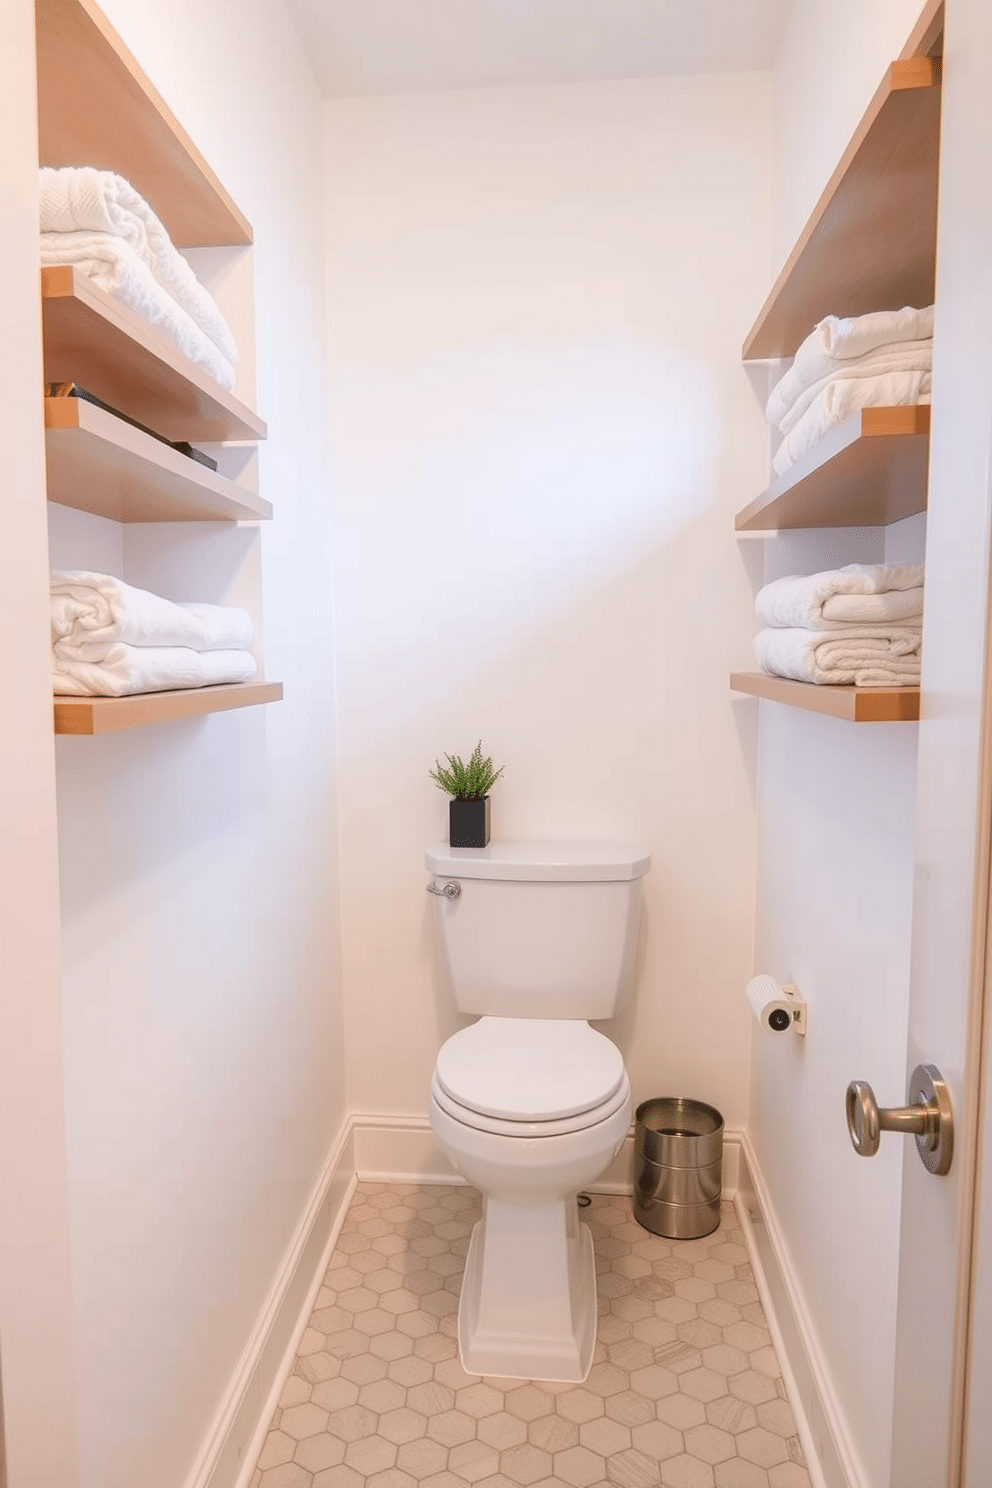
(777, 1008)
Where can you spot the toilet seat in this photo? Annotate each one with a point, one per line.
(549, 1074)
(522, 1127)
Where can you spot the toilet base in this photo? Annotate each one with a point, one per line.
(528, 1299)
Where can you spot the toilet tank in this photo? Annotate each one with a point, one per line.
(539, 930)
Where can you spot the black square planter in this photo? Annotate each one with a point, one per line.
(468, 823)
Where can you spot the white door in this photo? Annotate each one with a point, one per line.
(39, 1448)
(954, 811)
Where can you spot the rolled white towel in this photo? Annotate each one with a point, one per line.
(116, 269)
(840, 399)
(129, 669)
(838, 339)
(84, 199)
(857, 594)
(867, 656)
(907, 356)
(93, 610)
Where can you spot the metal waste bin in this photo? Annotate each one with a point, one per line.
(678, 1161)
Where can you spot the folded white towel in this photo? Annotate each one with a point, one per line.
(839, 400)
(857, 594)
(906, 356)
(835, 340)
(853, 335)
(91, 611)
(84, 199)
(867, 656)
(129, 669)
(116, 268)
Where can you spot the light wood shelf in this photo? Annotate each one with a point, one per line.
(92, 339)
(855, 704)
(870, 243)
(97, 107)
(869, 471)
(89, 715)
(99, 464)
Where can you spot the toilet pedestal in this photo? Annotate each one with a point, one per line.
(516, 1318)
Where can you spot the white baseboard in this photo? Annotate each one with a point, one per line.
(235, 1438)
(382, 1149)
(403, 1149)
(830, 1455)
(399, 1149)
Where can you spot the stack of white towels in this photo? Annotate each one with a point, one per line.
(860, 624)
(109, 639)
(96, 221)
(866, 361)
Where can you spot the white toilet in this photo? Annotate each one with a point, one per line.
(529, 1103)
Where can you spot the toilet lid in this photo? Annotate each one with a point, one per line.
(529, 1069)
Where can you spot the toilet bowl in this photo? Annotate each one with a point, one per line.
(529, 1103)
(529, 1111)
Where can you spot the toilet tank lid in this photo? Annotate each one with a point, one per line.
(535, 862)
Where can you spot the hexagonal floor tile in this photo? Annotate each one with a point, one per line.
(685, 1389)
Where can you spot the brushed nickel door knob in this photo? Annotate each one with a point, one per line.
(929, 1117)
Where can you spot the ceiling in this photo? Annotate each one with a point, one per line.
(363, 47)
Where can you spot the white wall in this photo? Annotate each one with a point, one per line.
(540, 430)
(830, 61)
(204, 1070)
(835, 853)
(37, 1441)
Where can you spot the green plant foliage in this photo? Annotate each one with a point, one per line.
(466, 782)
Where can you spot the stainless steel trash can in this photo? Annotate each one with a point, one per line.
(678, 1162)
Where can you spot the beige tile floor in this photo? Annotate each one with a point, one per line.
(685, 1389)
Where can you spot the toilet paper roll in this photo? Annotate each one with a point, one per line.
(772, 1008)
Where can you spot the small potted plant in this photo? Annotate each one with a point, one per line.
(469, 786)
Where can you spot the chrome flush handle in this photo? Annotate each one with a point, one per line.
(450, 890)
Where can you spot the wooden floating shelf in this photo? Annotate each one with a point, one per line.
(869, 471)
(92, 339)
(855, 704)
(99, 464)
(82, 63)
(871, 241)
(93, 715)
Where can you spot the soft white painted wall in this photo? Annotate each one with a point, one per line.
(835, 850)
(834, 900)
(540, 430)
(37, 1437)
(830, 61)
(204, 1070)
